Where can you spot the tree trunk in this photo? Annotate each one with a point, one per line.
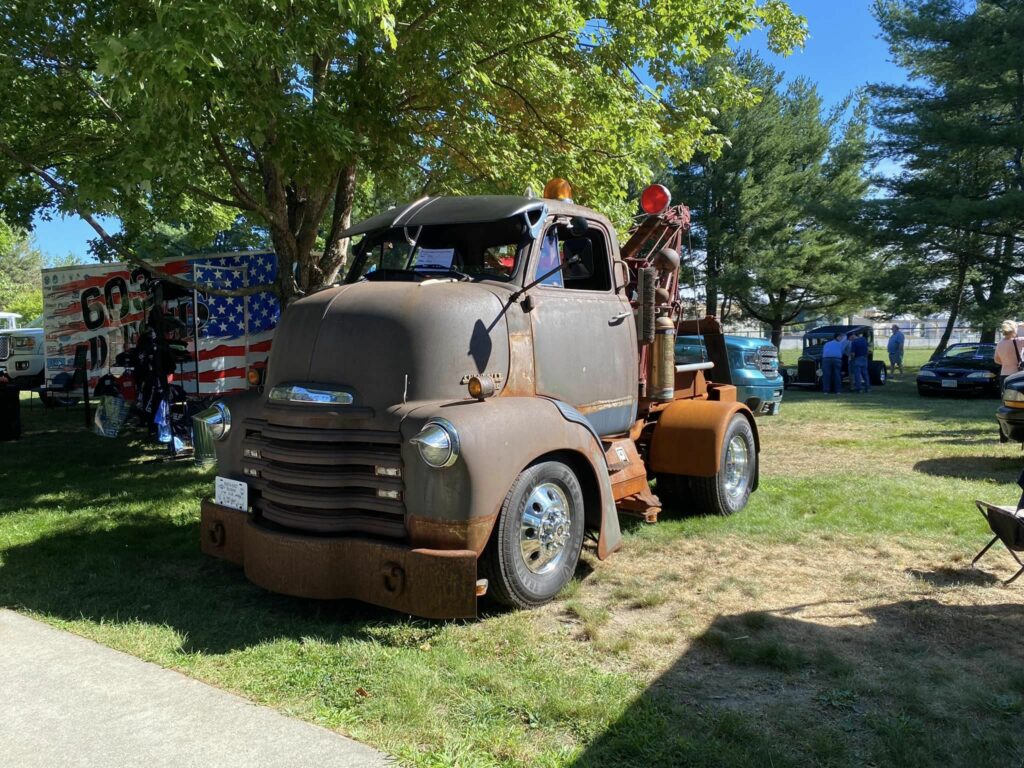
(954, 310)
(777, 332)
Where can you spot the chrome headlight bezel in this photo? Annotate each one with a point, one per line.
(437, 443)
(216, 420)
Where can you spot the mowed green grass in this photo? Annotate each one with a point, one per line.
(832, 622)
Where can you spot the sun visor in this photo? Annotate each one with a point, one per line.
(431, 211)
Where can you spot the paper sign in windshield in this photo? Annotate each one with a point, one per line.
(435, 258)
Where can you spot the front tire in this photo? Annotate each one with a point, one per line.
(537, 542)
(728, 491)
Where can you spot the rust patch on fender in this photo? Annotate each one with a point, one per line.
(521, 380)
(450, 534)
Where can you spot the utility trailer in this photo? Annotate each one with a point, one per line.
(494, 378)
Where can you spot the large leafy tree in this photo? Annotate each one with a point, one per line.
(773, 207)
(290, 113)
(952, 217)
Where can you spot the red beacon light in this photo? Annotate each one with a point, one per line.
(655, 199)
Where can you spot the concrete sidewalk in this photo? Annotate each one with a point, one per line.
(67, 701)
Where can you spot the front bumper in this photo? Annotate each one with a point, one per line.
(763, 400)
(989, 387)
(432, 583)
(1011, 423)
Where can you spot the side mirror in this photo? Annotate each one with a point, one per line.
(579, 257)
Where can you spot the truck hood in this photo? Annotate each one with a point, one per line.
(392, 341)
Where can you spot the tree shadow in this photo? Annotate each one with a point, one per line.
(910, 683)
(1000, 469)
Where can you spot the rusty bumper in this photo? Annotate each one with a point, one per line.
(432, 583)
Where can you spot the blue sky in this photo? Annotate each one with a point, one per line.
(842, 54)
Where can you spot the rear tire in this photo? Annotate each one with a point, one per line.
(728, 491)
(537, 542)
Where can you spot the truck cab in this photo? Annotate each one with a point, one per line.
(22, 352)
(493, 378)
(753, 368)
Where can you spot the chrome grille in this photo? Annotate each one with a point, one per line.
(5, 346)
(325, 480)
(768, 360)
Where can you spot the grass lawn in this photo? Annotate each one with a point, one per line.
(833, 622)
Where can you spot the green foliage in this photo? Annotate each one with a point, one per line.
(952, 217)
(21, 287)
(196, 113)
(770, 209)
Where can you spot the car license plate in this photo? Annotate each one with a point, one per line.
(232, 494)
(951, 383)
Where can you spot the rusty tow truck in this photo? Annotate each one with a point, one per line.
(493, 380)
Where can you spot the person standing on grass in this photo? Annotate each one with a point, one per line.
(1008, 351)
(832, 365)
(859, 380)
(895, 348)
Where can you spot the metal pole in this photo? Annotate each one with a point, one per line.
(195, 330)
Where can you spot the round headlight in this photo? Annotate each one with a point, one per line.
(216, 419)
(438, 443)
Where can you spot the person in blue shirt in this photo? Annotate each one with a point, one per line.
(895, 348)
(859, 381)
(832, 365)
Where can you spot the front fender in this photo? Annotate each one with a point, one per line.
(499, 437)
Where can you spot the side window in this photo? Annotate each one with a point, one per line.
(559, 245)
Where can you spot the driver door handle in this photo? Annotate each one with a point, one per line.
(621, 316)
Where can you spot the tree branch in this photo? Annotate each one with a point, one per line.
(131, 257)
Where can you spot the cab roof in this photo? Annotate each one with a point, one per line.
(471, 209)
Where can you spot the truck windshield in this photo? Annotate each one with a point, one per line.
(490, 251)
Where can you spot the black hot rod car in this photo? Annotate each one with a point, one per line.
(807, 372)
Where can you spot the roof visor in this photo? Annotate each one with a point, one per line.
(431, 211)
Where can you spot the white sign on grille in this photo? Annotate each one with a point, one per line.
(232, 494)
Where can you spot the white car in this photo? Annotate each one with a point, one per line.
(22, 352)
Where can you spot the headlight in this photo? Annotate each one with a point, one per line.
(24, 342)
(981, 375)
(1013, 396)
(216, 420)
(926, 374)
(438, 443)
(750, 360)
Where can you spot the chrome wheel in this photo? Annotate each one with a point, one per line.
(545, 528)
(737, 467)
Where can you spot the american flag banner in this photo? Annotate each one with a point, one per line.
(103, 306)
(235, 332)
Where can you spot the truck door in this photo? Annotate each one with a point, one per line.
(584, 334)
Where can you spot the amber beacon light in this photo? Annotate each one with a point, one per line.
(558, 189)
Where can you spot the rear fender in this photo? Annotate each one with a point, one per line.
(499, 437)
(688, 437)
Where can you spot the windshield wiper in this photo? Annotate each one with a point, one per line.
(442, 268)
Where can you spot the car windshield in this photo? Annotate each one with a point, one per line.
(491, 250)
(973, 351)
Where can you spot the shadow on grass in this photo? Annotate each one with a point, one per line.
(912, 683)
(953, 577)
(152, 572)
(1000, 469)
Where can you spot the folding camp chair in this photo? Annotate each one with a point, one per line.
(1007, 523)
